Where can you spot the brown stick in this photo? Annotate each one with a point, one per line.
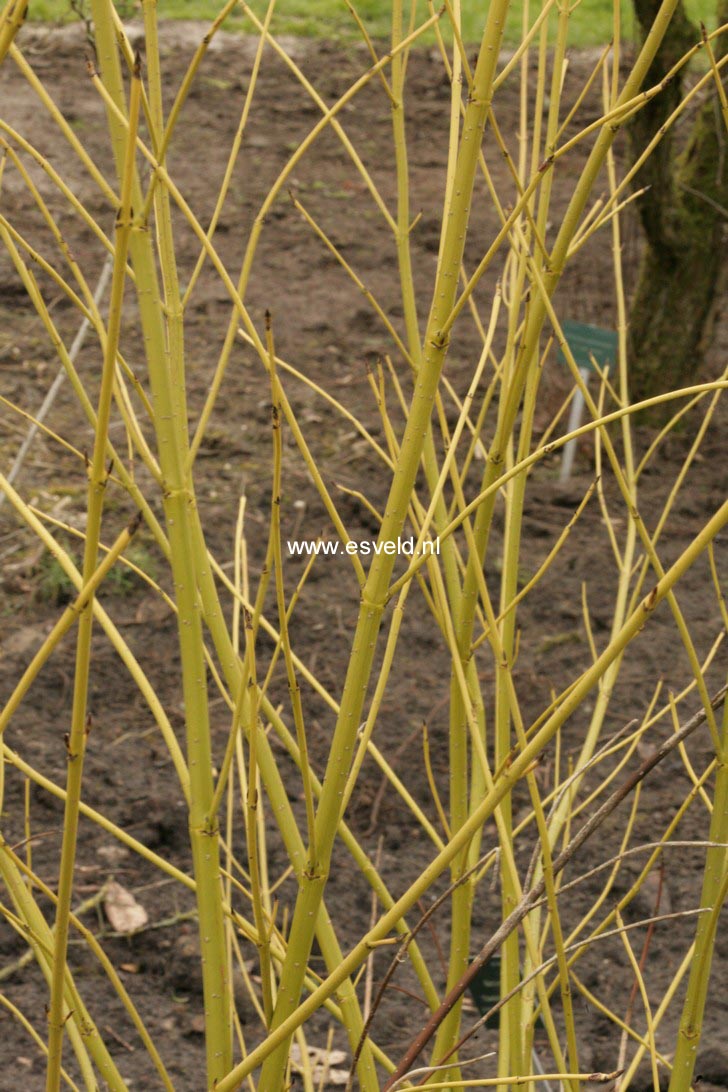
(536, 892)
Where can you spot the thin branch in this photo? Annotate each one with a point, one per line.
(532, 896)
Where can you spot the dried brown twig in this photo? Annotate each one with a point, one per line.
(536, 892)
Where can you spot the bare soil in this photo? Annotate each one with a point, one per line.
(323, 325)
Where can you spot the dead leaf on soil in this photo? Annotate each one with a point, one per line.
(125, 914)
(322, 1065)
(112, 854)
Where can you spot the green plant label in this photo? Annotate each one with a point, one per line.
(589, 343)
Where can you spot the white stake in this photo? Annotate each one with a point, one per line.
(575, 415)
(56, 384)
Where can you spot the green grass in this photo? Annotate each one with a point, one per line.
(52, 585)
(592, 20)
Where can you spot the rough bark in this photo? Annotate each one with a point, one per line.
(684, 219)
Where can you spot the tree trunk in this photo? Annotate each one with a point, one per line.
(684, 218)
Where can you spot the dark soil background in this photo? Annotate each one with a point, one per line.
(321, 324)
